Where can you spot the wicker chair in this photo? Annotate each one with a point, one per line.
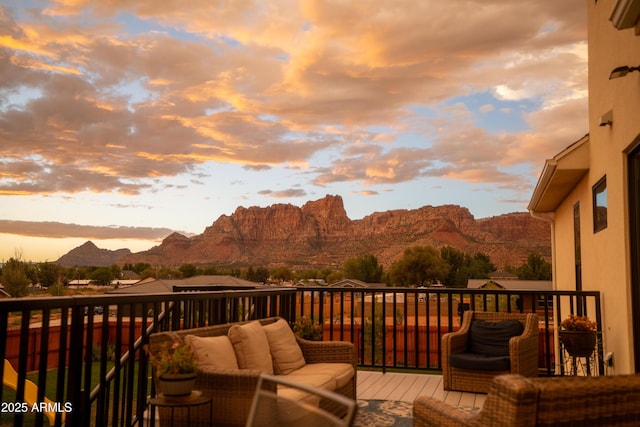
(514, 400)
(232, 391)
(523, 352)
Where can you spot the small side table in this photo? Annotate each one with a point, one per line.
(196, 398)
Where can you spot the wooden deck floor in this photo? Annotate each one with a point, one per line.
(406, 387)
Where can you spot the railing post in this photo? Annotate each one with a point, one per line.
(75, 395)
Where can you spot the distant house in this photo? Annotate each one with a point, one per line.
(79, 283)
(195, 283)
(129, 275)
(511, 284)
(353, 283)
(527, 301)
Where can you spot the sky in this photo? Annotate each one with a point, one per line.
(122, 121)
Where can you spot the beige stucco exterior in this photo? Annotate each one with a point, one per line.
(568, 179)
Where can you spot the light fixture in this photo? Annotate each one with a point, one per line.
(606, 119)
(622, 71)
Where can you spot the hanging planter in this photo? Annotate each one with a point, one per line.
(578, 343)
(578, 335)
(174, 385)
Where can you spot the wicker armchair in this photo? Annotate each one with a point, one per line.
(514, 400)
(232, 391)
(523, 352)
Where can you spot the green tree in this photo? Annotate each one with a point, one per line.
(536, 268)
(456, 259)
(102, 276)
(418, 265)
(14, 278)
(365, 268)
(463, 267)
(282, 273)
(188, 270)
(480, 266)
(259, 275)
(50, 274)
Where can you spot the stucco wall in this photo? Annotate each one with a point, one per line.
(605, 254)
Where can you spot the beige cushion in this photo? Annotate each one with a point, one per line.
(285, 351)
(251, 346)
(341, 372)
(213, 352)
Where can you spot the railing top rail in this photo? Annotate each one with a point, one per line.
(17, 304)
(448, 290)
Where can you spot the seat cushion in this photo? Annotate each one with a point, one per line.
(251, 347)
(322, 381)
(213, 352)
(285, 351)
(341, 372)
(479, 362)
(492, 338)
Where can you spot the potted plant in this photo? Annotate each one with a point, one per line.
(578, 335)
(176, 368)
(306, 328)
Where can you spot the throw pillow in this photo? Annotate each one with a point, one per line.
(251, 346)
(285, 351)
(492, 338)
(213, 352)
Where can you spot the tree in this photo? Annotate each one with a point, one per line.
(259, 275)
(282, 274)
(50, 274)
(536, 268)
(463, 267)
(188, 270)
(14, 278)
(418, 265)
(365, 268)
(457, 276)
(102, 276)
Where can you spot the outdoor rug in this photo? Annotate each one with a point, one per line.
(374, 413)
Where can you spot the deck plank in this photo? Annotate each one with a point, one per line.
(405, 387)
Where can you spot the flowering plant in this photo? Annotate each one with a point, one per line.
(175, 359)
(578, 323)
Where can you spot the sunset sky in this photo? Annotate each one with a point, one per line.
(122, 120)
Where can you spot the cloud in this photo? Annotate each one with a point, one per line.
(60, 230)
(283, 194)
(120, 107)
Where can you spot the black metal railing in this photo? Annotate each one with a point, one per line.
(401, 328)
(81, 360)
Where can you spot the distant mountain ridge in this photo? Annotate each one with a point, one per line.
(89, 254)
(320, 235)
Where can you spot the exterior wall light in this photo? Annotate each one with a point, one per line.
(606, 119)
(622, 71)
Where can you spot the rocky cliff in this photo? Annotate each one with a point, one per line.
(319, 234)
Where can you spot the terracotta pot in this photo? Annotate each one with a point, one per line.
(578, 343)
(177, 384)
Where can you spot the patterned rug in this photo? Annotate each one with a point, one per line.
(374, 413)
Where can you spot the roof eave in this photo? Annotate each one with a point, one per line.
(625, 14)
(559, 177)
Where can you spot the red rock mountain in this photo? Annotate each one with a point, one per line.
(319, 234)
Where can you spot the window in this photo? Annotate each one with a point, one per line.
(600, 205)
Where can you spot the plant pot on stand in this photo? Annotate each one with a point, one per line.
(176, 385)
(578, 343)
